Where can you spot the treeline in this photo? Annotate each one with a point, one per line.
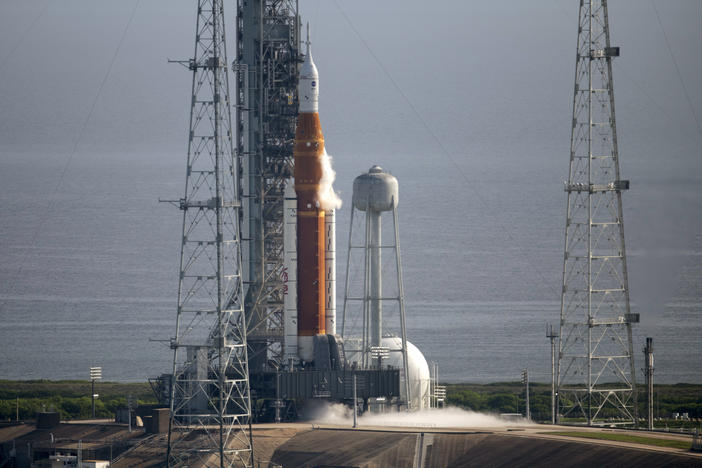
(510, 398)
(501, 398)
(669, 399)
(71, 399)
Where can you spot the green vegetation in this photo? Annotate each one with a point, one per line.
(678, 444)
(668, 399)
(71, 398)
(508, 397)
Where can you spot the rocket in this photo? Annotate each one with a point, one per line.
(312, 230)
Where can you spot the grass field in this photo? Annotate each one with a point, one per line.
(657, 442)
(509, 397)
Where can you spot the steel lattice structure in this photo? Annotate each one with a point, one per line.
(596, 377)
(210, 402)
(266, 66)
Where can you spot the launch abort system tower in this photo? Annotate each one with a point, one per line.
(595, 361)
(210, 406)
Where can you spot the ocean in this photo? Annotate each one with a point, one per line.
(471, 111)
(89, 276)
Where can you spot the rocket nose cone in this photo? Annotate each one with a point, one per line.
(308, 70)
(308, 87)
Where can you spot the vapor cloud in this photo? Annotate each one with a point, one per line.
(328, 198)
(450, 417)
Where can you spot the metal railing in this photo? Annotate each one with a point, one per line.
(696, 441)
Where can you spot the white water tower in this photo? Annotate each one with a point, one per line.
(375, 193)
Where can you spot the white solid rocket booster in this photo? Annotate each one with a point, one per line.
(330, 266)
(290, 267)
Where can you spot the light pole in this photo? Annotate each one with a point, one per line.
(552, 335)
(130, 405)
(355, 403)
(95, 374)
(525, 381)
(648, 372)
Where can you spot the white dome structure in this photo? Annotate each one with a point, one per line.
(418, 371)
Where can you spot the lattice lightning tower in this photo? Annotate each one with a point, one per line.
(210, 402)
(596, 361)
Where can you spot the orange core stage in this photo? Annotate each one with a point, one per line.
(309, 148)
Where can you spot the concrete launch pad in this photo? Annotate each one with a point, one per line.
(310, 445)
(525, 446)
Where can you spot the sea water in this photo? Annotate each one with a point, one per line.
(89, 272)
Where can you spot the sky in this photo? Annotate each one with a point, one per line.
(464, 93)
(447, 58)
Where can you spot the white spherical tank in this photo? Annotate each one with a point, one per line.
(375, 190)
(419, 378)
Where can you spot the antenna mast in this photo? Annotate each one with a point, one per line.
(596, 377)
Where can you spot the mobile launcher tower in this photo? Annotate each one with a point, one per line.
(288, 235)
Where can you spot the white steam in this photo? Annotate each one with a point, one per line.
(327, 197)
(340, 414)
